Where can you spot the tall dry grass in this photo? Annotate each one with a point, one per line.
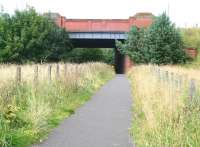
(31, 108)
(163, 113)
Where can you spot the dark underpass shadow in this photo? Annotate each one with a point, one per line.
(103, 43)
(119, 62)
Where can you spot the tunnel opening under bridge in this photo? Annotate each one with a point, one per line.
(119, 59)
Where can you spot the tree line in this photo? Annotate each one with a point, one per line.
(28, 36)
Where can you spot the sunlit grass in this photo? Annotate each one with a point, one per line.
(163, 113)
(30, 109)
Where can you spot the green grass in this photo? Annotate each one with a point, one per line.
(28, 113)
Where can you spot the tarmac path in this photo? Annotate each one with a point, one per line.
(102, 122)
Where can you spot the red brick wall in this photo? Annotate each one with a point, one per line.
(191, 52)
(128, 63)
(87, 25)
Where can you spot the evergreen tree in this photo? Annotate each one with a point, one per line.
(164, 43)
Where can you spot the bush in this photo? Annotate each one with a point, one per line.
(191, 37)
(29, 37)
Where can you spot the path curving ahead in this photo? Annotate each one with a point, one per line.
(101, 122)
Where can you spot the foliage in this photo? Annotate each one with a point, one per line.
(29, 110)
(80, 55)
(27, 36)
(163, 115)
(134, 45)
(191, 37)
(164, 42)
(161, 43)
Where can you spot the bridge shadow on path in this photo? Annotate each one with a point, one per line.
(102, 122)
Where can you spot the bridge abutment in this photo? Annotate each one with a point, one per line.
(119, 62)
(122, 62)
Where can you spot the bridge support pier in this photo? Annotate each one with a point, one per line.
(122, 62)
(119, 62)
(128, 63)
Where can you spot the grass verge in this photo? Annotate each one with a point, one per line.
(163, 115)
(29, 111)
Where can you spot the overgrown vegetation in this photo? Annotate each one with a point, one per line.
(28, 36)
(81, 55)
(191, 39)
(30, 109)
(161, 43)
(164, 114)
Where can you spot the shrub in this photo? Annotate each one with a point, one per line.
(191, 37)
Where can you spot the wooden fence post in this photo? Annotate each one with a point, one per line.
(167, 76)
(172, 78)
(49, 72)
(176, 81)
(186, 81)
(180, 82)
(18, 74)
(192, 88)
(65, 70)
(151, 68)
(77, 68)
(36, 74)
(162, 76)
(158, 74)
(57, 71)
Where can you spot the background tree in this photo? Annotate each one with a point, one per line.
(134, 45)
(161, 43)
(191, 37)
(80, 55)
(29, 37)
(164, 42)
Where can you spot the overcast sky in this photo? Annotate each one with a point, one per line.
(182, 12)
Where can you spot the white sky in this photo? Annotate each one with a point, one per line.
(182, 12)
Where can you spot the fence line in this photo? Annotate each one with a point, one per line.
(178, 82)
(18, 75)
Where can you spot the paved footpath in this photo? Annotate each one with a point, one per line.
(101, 122)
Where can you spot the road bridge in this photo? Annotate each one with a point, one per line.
(103, 33)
